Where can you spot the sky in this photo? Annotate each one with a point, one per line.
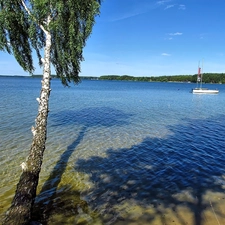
(150, 38)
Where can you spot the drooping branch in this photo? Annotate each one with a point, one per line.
(34, 19)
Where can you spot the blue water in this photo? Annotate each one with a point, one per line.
(125, 152)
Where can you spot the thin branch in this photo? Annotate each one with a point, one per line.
(29, 12)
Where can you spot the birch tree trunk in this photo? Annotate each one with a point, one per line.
(20, 211)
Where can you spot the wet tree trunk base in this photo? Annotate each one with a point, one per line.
(20, 210)
(21, 207)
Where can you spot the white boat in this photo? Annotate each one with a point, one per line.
(204, 91)
(199, 89)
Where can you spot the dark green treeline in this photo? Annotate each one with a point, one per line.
(207, 78)
(215, 78)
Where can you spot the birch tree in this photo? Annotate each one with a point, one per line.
(58, 29)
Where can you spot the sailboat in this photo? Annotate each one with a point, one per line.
(199, 89)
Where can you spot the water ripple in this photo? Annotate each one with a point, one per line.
(118, 153)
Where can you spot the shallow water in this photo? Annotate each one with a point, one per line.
(118, 152)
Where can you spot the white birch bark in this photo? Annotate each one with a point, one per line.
(21, 208)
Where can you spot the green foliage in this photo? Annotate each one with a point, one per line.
(14, 36)
(207, 78)
(214, 78)
(70, 29)
(23, 25)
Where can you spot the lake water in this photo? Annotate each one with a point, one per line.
(118, 152)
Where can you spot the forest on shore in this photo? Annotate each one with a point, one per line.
(207, 78)
(214, 78)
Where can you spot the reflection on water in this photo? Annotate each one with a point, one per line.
(118, 153)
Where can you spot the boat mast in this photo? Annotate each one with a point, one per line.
(202, 74)
(199, 75)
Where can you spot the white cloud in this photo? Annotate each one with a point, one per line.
(165, 2)
(182, 7)
(169, 6)
(143, 7)
(168, 38)
(162, 2)
(136, 9)
(165, 54)
(175, 34)
(126, 16)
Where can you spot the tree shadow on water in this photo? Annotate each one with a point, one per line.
(45, 204)
(142, 183)
(51, 201)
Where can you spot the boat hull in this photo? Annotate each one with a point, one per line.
(204, 91)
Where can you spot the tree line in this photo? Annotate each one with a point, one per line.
(215, 78)
(207, 78)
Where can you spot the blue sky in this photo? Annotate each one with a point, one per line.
(150, 38)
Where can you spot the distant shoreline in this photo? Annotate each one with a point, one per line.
(213, 78)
